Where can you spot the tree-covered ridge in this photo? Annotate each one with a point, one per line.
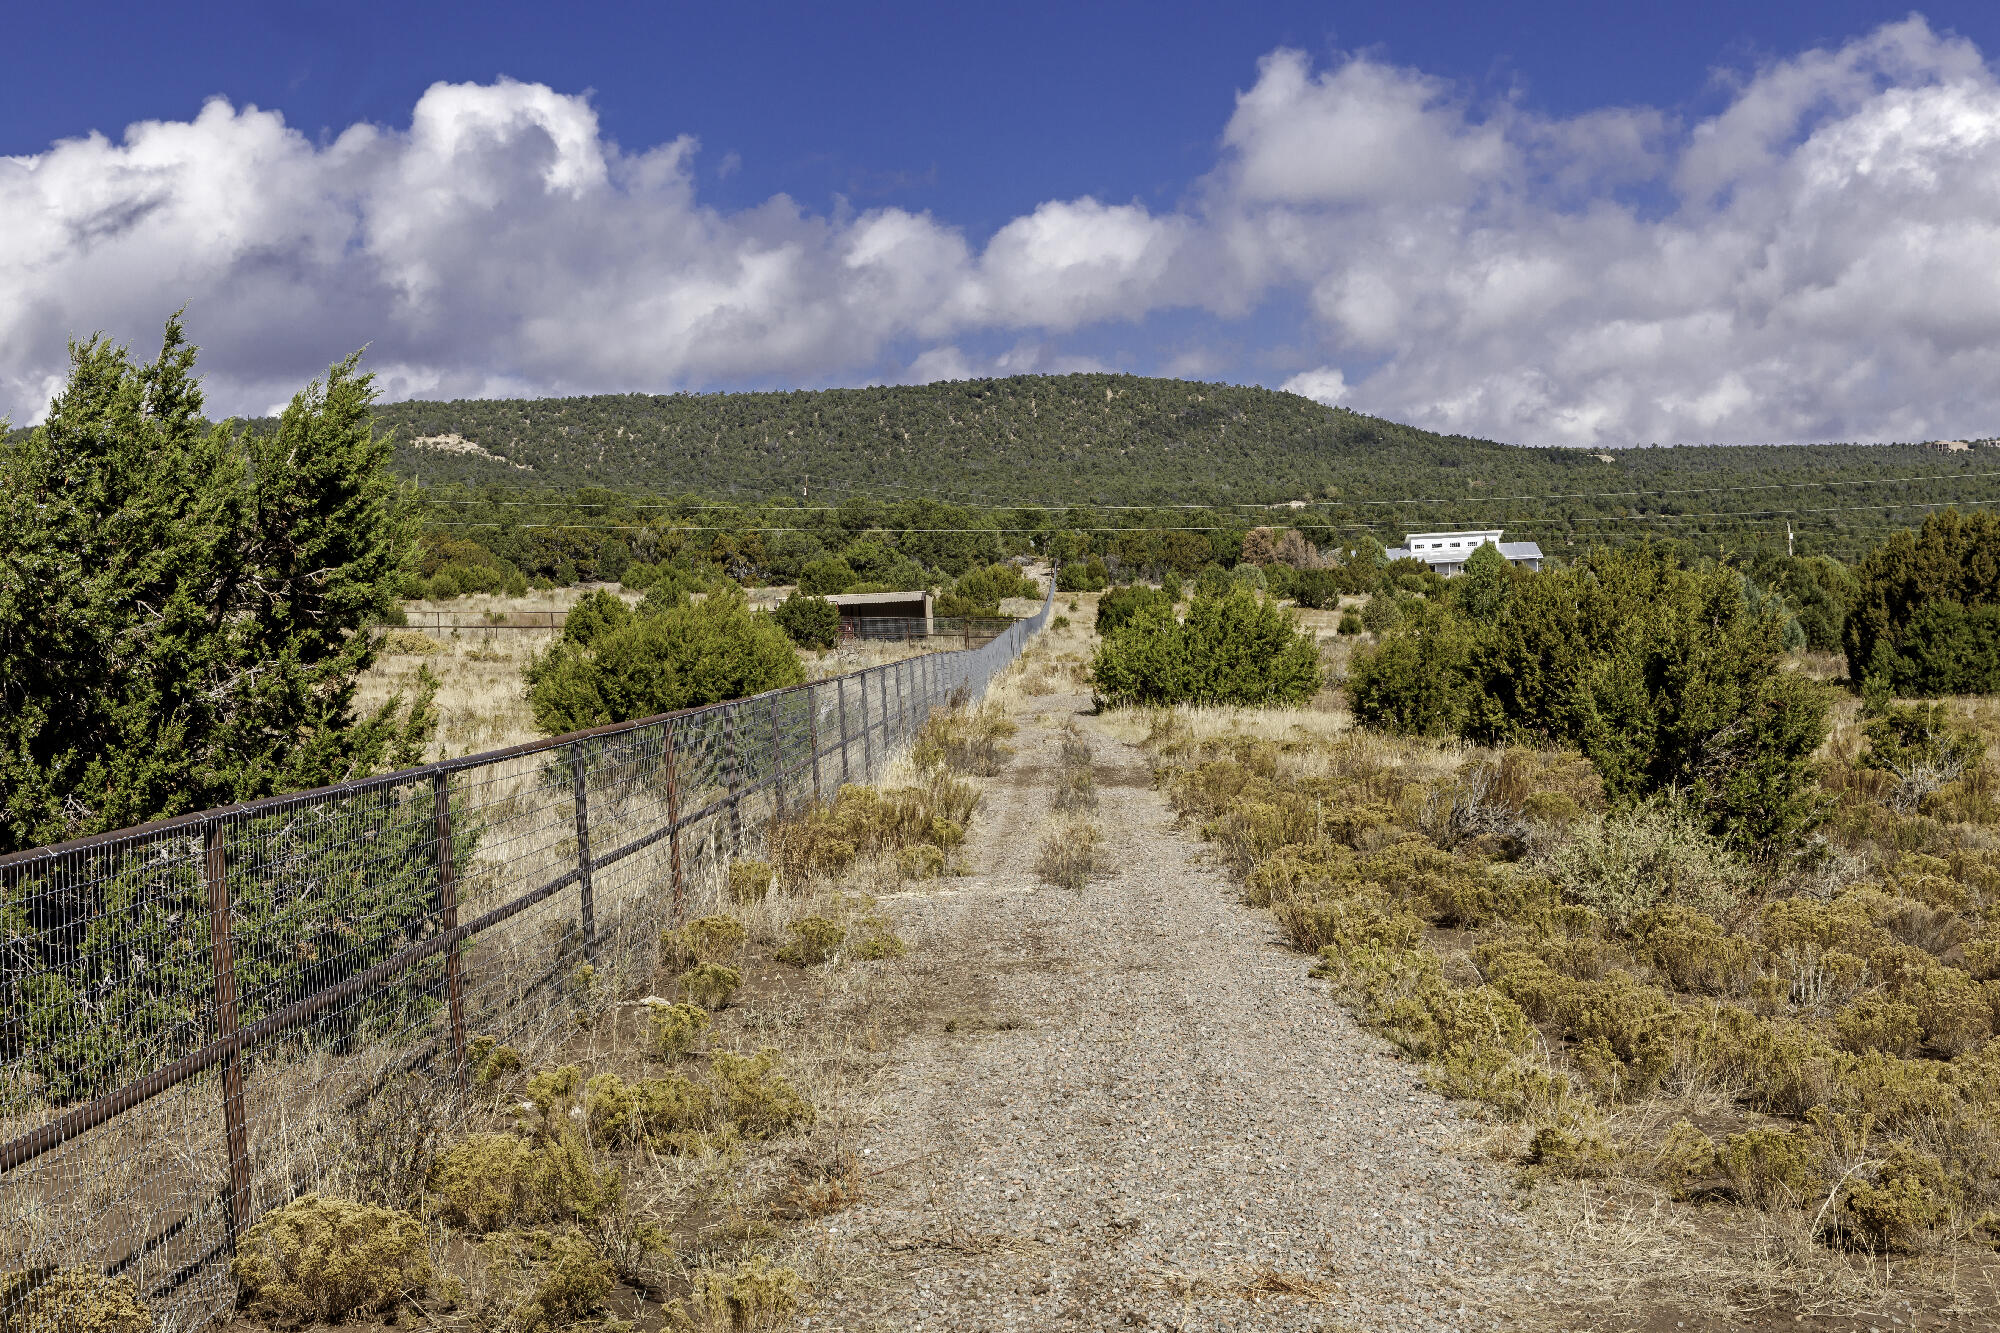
(1119, 439)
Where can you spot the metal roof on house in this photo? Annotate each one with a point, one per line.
(1459, 555)
(877, 598)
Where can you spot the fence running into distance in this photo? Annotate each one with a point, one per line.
(208, 1016)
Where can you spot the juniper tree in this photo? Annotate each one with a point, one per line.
(183, 606)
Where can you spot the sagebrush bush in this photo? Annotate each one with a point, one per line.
(749, 881)
(1630, 956)
(813, 940)
(82, 1300)
(319, 1260)
(706, 939)
(1771, 1167)
(673, 1030)
(489, 1182)
(709, 984)
(1626, 863)
(573, 1288)
(755, 1297)
(754, 1095)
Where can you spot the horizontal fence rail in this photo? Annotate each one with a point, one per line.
(966, 631)
(202, 1017)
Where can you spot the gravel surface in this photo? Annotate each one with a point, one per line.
(1130, 1107)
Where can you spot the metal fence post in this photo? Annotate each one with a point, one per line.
(674, 821)
(447, 879)
(777, 759)
(583, 856)
(733, 763)
(840, 689)
(812, 736)
(236, 1198)
(867, 735)
(902, 701)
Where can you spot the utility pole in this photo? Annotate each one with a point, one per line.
(1788, 539)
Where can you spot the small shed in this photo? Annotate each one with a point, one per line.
(858, 608)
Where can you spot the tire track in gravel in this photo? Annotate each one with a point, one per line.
(1130, 1107)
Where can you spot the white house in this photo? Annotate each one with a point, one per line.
(1447, 552)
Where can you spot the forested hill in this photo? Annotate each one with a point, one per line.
(1104, 438)
(1124, 439)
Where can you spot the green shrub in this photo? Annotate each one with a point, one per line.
(1382, 612)
(682, 657)
(1237, 649)
(80, 1300)
(1926, 617)
(1083, 576)
(596, 614)
(980, 591)
(826, 576)
(1119, 605)
(1661, 675)
(1349, 623)
(810, 622)
(1317, 589)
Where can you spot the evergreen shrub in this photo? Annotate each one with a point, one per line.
(1235, 649)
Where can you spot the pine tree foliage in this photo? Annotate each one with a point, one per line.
(183, 607)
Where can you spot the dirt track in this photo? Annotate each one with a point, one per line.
(1129, 1107)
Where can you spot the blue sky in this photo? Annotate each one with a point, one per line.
(1541, 222)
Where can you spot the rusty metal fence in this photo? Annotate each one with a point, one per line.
(202, 1016)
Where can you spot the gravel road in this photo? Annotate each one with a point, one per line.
(1130, 1107)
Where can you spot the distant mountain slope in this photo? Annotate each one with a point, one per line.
(1107, 438)
(1126, 439)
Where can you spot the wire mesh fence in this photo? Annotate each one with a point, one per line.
(205, 1016)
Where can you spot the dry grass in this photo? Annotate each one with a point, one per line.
(482, 699)
(1070, 853)
(1654, 1053)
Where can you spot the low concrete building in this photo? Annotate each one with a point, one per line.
(1447, 552)
(866, 606)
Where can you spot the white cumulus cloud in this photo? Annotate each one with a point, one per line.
(1819, 258)
(1325, 385)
